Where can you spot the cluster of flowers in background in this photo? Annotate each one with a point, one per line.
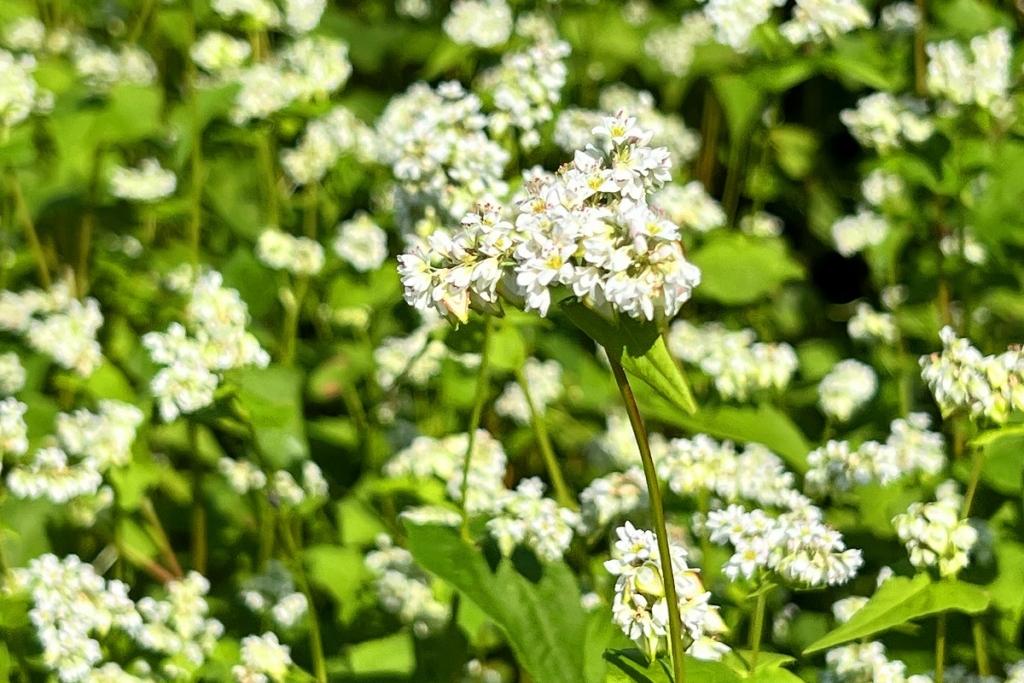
(290, 368)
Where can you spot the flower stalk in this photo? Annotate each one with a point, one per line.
(675, 624)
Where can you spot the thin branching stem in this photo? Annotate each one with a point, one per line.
(480, 397)
(540, 429)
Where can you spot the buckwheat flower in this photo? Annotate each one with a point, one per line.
(12, 374)
(361, 243)
(50, 475)
(640, 608)
(618, 443)
(404, 589)
(290, 610)
(483, 23)
(302, 16)
(177, 626)
(148, 183)
(836, 467)
(525, 517)
(24, 34)
(300, 256)
(285, 490)
(883, 122)
(219, 53)
(667, 130)
(853, 234)
(263, 13)
(735, 20)
(265, 89)
(869, 325)
(865, 663)
(413, 9)
(317, 65)
(413, 359)
(966, 245)
(982, 79)
(525, 87)
(846, 388)
(761, 224)
(900, 17)
(935, 535)
(961, 378)
(13, 430)
(1015, 672)
(918, 449)
(673, 47)
(18, 89)
(545, 385)
(881, 187)
(477, 672)
(689, 206)
(137, 67)
(105, 439)
(68, 335)
(612, 497)
(262, 657)
(847, 607)
(816, 20)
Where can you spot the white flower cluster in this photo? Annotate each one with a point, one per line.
(436, 143)
(816, 20)
(761, 224)
(413, 359)
(524, 88)
(101, 68)
(24, 34)
(961, 378)
(589, 231)
(300, 256)
(148, 183)
(739, 365)
(618, 443)
(964, 244)
(689, 206)
(273, 592)
(193, 360)
(13, 430)
(361, 243)
(282, 488)
(910, 449)
(12, 374)
(797, 546)
(574, 127)
(220, 54)
(302, 16)
(866, 663)
(311, 68)
(404, 589)
(262, 13)
(525, 517)
(673, 47)
(934, 533)
(56, 324)
(882, 122)
(846, 388)
(855, 233)
(73, 608)
(880, 187)
(640, 608)
(900, 17)
(263, 658)
(18, 89)
(693, 466)
(544, 380)
(735, 20)
(325, 140)
(612, 497)
(869, 325)
(483, 23)
(444, 458)
(982, 79)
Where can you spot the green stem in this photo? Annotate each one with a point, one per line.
(292, 308)
(972, 486)
(316, 647)
(199, 532)
(197, 172)
(265, 146)
(675, 624)
(733, 181)
(479, 398)
(710, 125)
(309, 218)
(980, 647)
(920, 58)
(540, 430)
(756, 628)
(30, 229)
(160, 536)
(267, 523)
(940, 648)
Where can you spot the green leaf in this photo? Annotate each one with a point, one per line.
(1003, 453)
(641, 350)
(630, 666)
(795, 148)
(742, 101)
(391, 655)
(737, 270)
(273, 397)
(900, 600)
(553, 638)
